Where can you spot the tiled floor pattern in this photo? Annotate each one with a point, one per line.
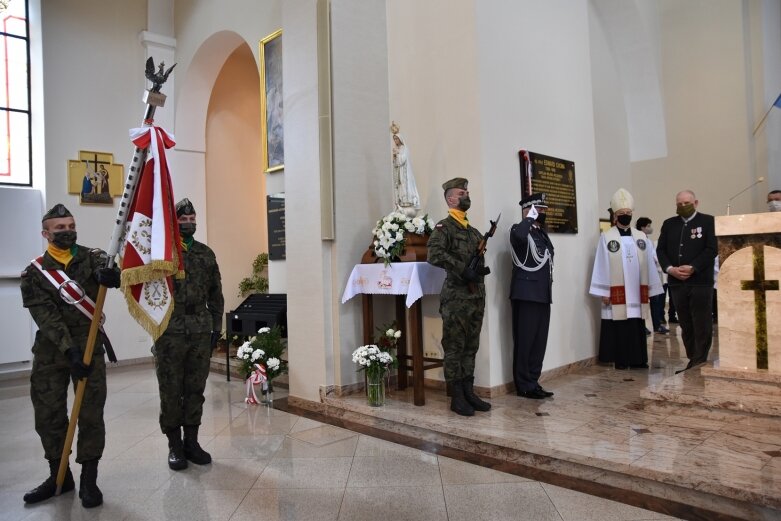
(271, 465)
(597, 418)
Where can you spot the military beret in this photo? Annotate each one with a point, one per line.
(184, 207)
(57, 211)
(456, 182)
(537, 199)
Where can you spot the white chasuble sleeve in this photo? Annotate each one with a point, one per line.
(600, 275)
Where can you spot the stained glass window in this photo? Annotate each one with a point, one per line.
(15, 143)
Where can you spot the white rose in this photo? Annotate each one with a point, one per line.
(389, 332)
(264, 330)
(272, 363)
(397, 334)
(399, 236)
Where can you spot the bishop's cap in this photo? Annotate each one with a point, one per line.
(57, 211)
(622, 200)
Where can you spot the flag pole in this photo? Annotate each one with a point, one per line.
(776, 103)
(153, 99)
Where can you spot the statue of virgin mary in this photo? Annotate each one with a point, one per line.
(405, 191)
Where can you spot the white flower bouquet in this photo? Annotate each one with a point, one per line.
(390, 233)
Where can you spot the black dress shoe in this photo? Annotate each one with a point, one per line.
(534, 394)
(543, 391)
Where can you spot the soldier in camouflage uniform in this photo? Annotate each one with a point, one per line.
(183, 351)
(452, 244)
(58, 352)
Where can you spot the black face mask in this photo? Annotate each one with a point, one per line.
(624, 220)
(187, 230)
(464, 203)
(540, 219)
(64, 240)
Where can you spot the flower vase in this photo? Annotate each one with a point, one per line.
(268, 395)
(375, 388)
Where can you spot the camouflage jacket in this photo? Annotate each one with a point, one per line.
(451, 247)
(61, 325)
(198, 301)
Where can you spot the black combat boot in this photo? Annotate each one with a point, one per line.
(192, 450)
(471, 397)
(90, 494)
(458, 403)
(47, 489)
(176, 459)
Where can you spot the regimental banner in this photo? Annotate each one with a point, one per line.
(275, 208)
(556, 178)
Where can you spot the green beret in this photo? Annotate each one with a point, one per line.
(57, 211)
(184, 207)
(456, 182)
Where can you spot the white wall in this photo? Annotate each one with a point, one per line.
(706, 83)
(535, 93)
(93, 77)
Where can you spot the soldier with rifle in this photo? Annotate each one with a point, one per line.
(458, 248)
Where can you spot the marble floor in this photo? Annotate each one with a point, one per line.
(269, 464)
(598, 432)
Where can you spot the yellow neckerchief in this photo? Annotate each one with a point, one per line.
(187, 244)
(459, 216)
(64, 257)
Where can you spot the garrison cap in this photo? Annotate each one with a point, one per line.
(537, 199)
(456, 182)
(57, 211)
(184, 207)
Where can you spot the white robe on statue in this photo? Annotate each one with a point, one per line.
(600, 276)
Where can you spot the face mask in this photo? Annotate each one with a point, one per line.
(187, 230)
(464, 203)
(64, 240)
(774, 206)
(685, 211)
(649, 230)
(541, 219)
(624, 220)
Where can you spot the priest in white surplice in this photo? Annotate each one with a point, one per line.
(624, 277)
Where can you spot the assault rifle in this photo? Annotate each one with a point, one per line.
(480, 253)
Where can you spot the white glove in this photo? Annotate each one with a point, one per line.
(532, 212)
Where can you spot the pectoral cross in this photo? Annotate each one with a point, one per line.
(760, 286)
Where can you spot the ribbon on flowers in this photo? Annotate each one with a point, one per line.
(257, 376)
(151, 253)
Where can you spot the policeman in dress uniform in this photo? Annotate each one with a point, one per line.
(183, 351)
(531, 295)
(452, 244)
(57, 354)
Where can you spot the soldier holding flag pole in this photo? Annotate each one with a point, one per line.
(163, 260)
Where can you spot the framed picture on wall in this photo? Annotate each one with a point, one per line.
(273, 143)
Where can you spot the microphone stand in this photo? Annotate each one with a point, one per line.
(737, 194)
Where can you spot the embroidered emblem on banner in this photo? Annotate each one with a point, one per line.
(613, 246)
(641, 244)
(156, 294)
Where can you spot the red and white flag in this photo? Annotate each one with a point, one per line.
(151, 252)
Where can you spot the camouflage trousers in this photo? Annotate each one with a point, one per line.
(49, 381)
(182, 366)
(462, 320)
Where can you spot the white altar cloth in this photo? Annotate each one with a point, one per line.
(413, 279)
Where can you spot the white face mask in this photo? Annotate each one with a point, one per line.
(774, 206)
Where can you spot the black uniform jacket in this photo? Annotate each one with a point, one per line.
(532, 286)
(693, 243)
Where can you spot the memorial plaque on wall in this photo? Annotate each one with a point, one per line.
(556, 178)
(275, 208)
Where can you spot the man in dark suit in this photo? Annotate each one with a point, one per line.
(686, 249)
(530, 295)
